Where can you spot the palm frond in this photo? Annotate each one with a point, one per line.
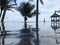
(41, 1)
(31, 0)
(33, 13)
(13, 1)
(5, 3)
(13, 5)
(25, 9)
(10, 10)
(10, 7)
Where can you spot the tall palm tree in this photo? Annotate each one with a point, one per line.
(37, 8)
(26, 10)
(37, 3)
(6, 5)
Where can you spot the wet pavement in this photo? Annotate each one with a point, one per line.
(48, 34)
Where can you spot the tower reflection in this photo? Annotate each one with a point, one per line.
(56, 26)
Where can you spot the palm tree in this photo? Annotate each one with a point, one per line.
(6, 5)
(37, 3)
(26, 10)
(37, 8)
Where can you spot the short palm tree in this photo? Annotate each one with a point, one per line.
(26, 10)
(6, 5)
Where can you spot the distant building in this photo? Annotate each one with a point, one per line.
(55, 17)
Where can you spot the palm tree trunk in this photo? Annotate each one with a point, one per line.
(3, 16)
(25, 18)
(37, 15)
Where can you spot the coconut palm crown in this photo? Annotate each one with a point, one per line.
(26, 9)
(6, 5)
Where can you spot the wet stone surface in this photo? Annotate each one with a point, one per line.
(14, 34)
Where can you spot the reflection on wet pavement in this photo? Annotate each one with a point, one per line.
(16, 35)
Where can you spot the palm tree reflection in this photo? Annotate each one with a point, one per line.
(3, 34)
(28, 37)
(36, 41)
(0, 28)
(3, 40)
(0, 40)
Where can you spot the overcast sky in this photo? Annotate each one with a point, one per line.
(46, 11)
